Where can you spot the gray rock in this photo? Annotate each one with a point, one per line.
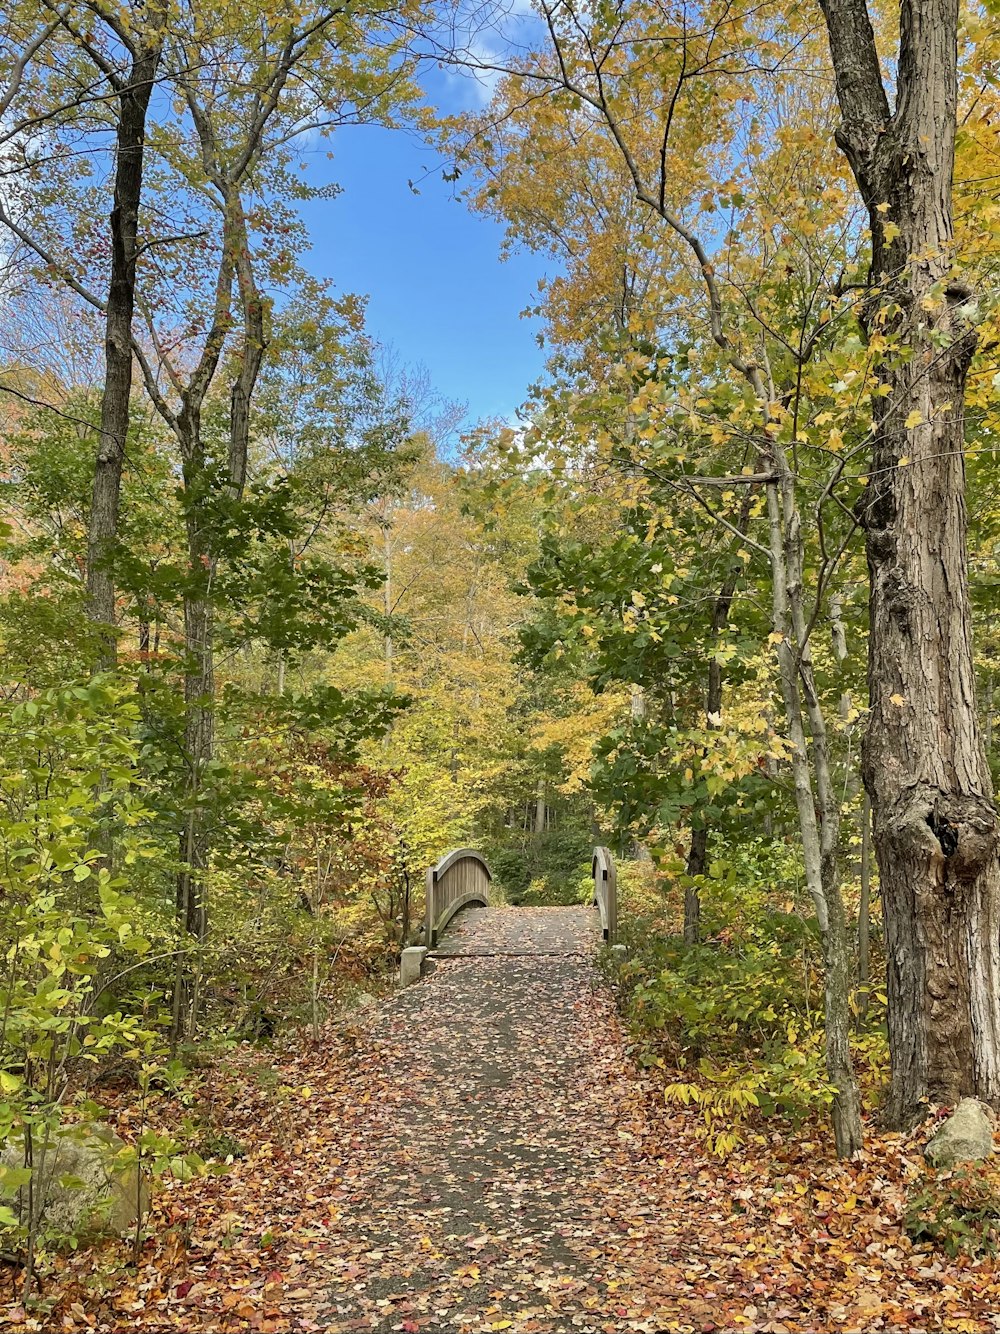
(966, 1136)
(85, 1190)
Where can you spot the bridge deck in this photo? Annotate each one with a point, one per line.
(504, 932)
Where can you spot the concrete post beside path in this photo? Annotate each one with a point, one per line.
(411, 963)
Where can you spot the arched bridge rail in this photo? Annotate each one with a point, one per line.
(460, 878)
(606, 892)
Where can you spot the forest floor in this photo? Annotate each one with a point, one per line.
(479, 1153)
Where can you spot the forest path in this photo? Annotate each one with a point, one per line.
(485, 1202)
(479, 1152)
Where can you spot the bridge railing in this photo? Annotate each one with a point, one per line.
(460, 878)
(606, 892)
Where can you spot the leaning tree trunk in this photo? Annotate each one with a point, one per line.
(133, 100)
(935, 823)
(818, 808)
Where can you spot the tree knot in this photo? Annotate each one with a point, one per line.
(945, 831)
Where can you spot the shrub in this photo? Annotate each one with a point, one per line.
(737, 1017)
(72, 931)
(957, 1211)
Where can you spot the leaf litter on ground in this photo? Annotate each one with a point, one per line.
(480, 1153)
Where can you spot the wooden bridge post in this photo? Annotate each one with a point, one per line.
(606, 892)
(430, 932)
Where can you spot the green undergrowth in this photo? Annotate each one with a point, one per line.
(957, 1212)
(542, 870)
(734, 1023)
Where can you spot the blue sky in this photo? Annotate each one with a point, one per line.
(438, 291)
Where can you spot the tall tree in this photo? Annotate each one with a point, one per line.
(121, 49)
(936, 830)
(330, 66)
(141, 36)
(659, 89)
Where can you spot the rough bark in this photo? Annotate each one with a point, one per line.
(924, 764)
(133, 100)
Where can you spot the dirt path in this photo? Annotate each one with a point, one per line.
(480, 1153)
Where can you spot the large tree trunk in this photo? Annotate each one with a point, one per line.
(133, 98)
(924, 764)
(538, 824)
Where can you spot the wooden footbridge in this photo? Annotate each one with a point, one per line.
(462, 879)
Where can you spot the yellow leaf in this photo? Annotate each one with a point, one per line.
(881, 208)
(914, 419)
(775, 637)
(898, 700)
(902, 462)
